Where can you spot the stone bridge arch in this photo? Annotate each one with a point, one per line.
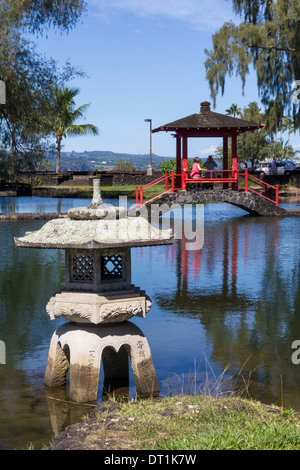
(252, 203)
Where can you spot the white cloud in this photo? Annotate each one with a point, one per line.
(203, 153)
(199, 14)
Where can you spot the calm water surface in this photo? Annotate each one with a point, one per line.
(222, 316)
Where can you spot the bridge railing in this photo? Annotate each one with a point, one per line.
(266, 187)
(211, 177)
(168, 181)
(175, 182)
(170, 184)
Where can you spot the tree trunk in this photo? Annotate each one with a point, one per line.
(58, 156)
(13, 150)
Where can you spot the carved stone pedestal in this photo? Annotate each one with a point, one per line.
(97, 308)
(80, 348)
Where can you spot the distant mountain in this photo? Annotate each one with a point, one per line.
(102, 160)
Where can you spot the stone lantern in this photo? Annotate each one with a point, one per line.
(98, 298)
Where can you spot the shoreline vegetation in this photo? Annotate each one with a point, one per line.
(110, 192)
(106, 191)
(183, 423)
(287, 193)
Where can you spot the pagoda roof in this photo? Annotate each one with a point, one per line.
(207, 122)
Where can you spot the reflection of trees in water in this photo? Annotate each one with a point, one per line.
(28, 278)
(22, 402)
(31, 414)
(244, 286)
(277, 321)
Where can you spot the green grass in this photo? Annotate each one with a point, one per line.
(106, 191)
(129, 191)
(198, 423)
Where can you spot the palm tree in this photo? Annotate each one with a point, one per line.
(234, 110)
(63, 116)
(287, 124)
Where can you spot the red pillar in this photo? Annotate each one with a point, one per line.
(184, 157)
(234, 158)
(234, 255)
(225, 160)
(178, 161)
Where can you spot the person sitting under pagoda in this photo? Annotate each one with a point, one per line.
(196, 171)
(210, 165)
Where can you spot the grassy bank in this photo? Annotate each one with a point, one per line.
(185, 423)
(129, 191)
(106, 191)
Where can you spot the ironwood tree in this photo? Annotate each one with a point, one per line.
(268, 38)
(254, 146)
(38, 16)
(29, 77)
(257, 146)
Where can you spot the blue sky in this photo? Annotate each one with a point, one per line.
(144, 60)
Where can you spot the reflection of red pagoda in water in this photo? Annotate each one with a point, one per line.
(191, 260)
(228, 247)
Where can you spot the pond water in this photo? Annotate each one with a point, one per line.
(223, 317)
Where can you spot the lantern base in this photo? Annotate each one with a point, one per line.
(80, 348)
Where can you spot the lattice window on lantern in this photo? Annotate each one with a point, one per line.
(82, 267)
(111, 267)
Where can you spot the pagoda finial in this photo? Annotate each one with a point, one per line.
(204, 106)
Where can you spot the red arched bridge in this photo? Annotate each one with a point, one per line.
(238, 188)
(231, 185)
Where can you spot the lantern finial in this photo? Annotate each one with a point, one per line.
(97, 199)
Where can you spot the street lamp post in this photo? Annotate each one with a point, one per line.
(149, 170)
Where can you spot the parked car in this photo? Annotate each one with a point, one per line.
(284, 168)
(288, 167)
